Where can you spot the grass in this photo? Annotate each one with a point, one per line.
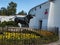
(27, 37)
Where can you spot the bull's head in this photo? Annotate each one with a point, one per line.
(30, 16)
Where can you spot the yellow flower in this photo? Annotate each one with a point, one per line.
(1, 36)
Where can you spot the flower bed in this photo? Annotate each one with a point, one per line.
(26, 38)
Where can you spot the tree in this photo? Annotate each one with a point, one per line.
(22, 13)
(0, 12)
(11, 8)
(3, 11)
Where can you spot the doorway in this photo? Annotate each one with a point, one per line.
(40, 22)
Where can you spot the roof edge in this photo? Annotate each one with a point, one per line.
(37, 6)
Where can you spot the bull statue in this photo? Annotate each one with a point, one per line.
(24, 21)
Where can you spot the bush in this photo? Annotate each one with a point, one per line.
(9, 23)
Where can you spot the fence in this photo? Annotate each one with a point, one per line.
(14, 29)
(17, 36)
(22, 36)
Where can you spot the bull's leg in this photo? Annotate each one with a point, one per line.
(19, 25)
(27, 25)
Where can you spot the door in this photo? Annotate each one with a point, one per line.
(40, 24)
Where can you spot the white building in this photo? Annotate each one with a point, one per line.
(9, 18)
(41, 16)
(54, 14)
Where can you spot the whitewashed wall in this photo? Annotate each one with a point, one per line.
(9, 18)
(34, 23)
(39, 15)
(54, 14)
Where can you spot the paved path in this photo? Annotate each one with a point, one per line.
(55, 43)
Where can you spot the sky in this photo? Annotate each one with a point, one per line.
(25, 5)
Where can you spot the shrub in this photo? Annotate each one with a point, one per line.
(9, 23)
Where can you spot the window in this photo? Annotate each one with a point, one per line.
(46, 11)
(35, 9)
(40, 6)
(34, 15)
(51, 0)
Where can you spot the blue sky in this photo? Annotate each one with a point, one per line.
(25, 5)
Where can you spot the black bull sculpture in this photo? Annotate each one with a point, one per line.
(24, 21)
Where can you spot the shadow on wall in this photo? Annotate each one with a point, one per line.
(51, 0)
(54, 30)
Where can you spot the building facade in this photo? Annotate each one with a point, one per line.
(54, 14)
(40, 13)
